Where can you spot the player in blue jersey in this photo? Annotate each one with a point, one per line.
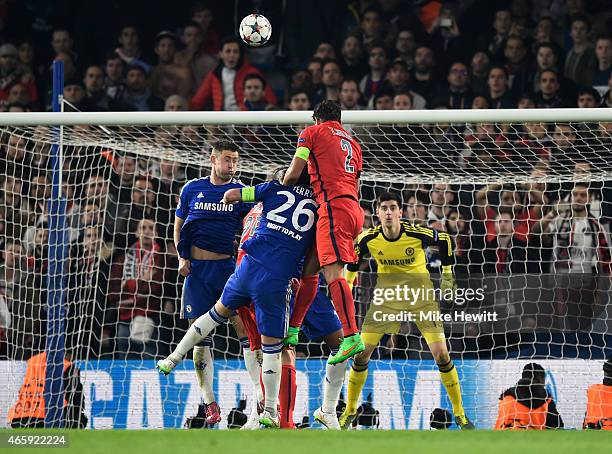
(204, 232)
(284, 234)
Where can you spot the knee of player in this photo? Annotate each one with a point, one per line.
(224, 311)
(332, 272)
(441, 356)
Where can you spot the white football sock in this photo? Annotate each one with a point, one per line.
(271, 367)
(252, 360)
(196, 333)
(205, 370)
(334, 379)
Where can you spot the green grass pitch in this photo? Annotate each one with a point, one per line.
(322, 442)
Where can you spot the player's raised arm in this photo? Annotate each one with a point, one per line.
(297, 166)
(232, 196)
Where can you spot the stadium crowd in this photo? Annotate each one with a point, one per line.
(382, 54)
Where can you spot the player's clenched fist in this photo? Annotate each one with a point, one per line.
(184, 267)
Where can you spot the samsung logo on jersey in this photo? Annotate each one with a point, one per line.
(397, 262)
(208, 206)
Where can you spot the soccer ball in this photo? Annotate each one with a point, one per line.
(255, 30)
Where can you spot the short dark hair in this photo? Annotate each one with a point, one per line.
(382, 93)
(113, 56)
(557, 75)
(389, 196)
(136, 67)
(224, 145)
(316, 60)
(581, 18)
(371, 9)
(501, 68)
(327, 110)
(298, 91)
(534, 373)
(252, 76)
(229, 40)
(590, 91)
(351, 80)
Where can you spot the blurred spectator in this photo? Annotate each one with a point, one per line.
(504, 252)
(441, 197)
(61, 42)
(499, 95)
(18, 94)
(517, 65)
(11, 74)
(588, 98)
(299, 100)
(457, 95)
(563, 149)
(405, 46)
(526, 101)
(480, 102)
(129, 48)
(254, 93)
(194, 55)
(377, 61)
(383, 100)
(222, 89)
(416, 210)
(202, 15)
(349, 95)
(169, 77)
(352, 62)
(301, 79)
(603, 52)
(447, 41)
(479, 73)
(96, 98)
(580, 252)
(371, 27)
(315, 68)
(501, 25)
(114, 76)
(137, 92)
(135, 288)
(580, 63)
(176, 103)
(331, 78)
(397, 83)
(325, 51)
(402, 101)
(544, 33)
(74, 94)
(547, 59)
(423, 80)
(549, 95)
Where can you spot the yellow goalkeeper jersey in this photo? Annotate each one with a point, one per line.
(406, 253)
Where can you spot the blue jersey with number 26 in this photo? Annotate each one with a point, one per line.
(286, 228)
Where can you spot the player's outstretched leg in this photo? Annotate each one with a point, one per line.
(271, 368)
(196, 333)
(450, 380)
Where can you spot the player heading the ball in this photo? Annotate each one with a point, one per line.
(334, 165)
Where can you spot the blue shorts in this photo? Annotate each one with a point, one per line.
(270, 296)
(321, 319)
(204, 285)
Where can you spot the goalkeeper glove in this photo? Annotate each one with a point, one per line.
(447, 281)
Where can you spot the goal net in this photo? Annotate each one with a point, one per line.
(525, 195)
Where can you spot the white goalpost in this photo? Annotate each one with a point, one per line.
(464, 172)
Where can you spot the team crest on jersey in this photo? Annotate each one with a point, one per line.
(409, 251)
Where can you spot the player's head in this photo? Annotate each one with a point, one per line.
(534, 373)
(389, 209)
(327, 110)
(224, 159)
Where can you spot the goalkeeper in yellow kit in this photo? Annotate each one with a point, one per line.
(403, 287)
